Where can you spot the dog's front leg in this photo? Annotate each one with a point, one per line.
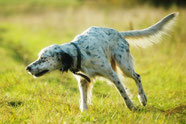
(83, 87)
(83, 92)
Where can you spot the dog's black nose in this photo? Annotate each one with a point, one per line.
(28, 68)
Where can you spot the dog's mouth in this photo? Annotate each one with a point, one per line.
(41, 73)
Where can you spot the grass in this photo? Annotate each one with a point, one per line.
(54, 98)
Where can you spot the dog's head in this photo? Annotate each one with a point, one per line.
(50, 58)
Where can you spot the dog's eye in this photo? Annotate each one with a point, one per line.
(42, 58)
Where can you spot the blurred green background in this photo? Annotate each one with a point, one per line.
(28, 26)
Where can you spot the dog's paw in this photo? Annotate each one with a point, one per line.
(130, 105)
(83, 107)
(133, 108)
(142, 98)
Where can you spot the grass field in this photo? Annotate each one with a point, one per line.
(54, 98)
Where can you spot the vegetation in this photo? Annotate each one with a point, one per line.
(54, 98)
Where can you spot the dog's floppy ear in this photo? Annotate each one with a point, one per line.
(66, 60)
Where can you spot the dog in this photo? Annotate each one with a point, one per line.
(97, 52)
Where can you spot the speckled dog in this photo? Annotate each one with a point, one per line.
(96, 52)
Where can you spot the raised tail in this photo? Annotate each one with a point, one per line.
(152, 34)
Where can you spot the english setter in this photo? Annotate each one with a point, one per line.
(96, 52)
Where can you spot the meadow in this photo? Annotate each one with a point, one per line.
(54, 98)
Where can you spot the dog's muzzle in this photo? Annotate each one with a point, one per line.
(29, 69)
(41, 73)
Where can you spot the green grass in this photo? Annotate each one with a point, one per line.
(54, 98)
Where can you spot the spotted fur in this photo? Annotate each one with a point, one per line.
(101, 50)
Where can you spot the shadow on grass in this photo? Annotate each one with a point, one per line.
(180, 109)
(15, 103)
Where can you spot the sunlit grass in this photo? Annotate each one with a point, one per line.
(54, 98)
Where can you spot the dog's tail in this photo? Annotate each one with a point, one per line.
(152, 34)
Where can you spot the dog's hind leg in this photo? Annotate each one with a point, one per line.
(124, 61)
(109, 73)
(85, 88)
(141, 94)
